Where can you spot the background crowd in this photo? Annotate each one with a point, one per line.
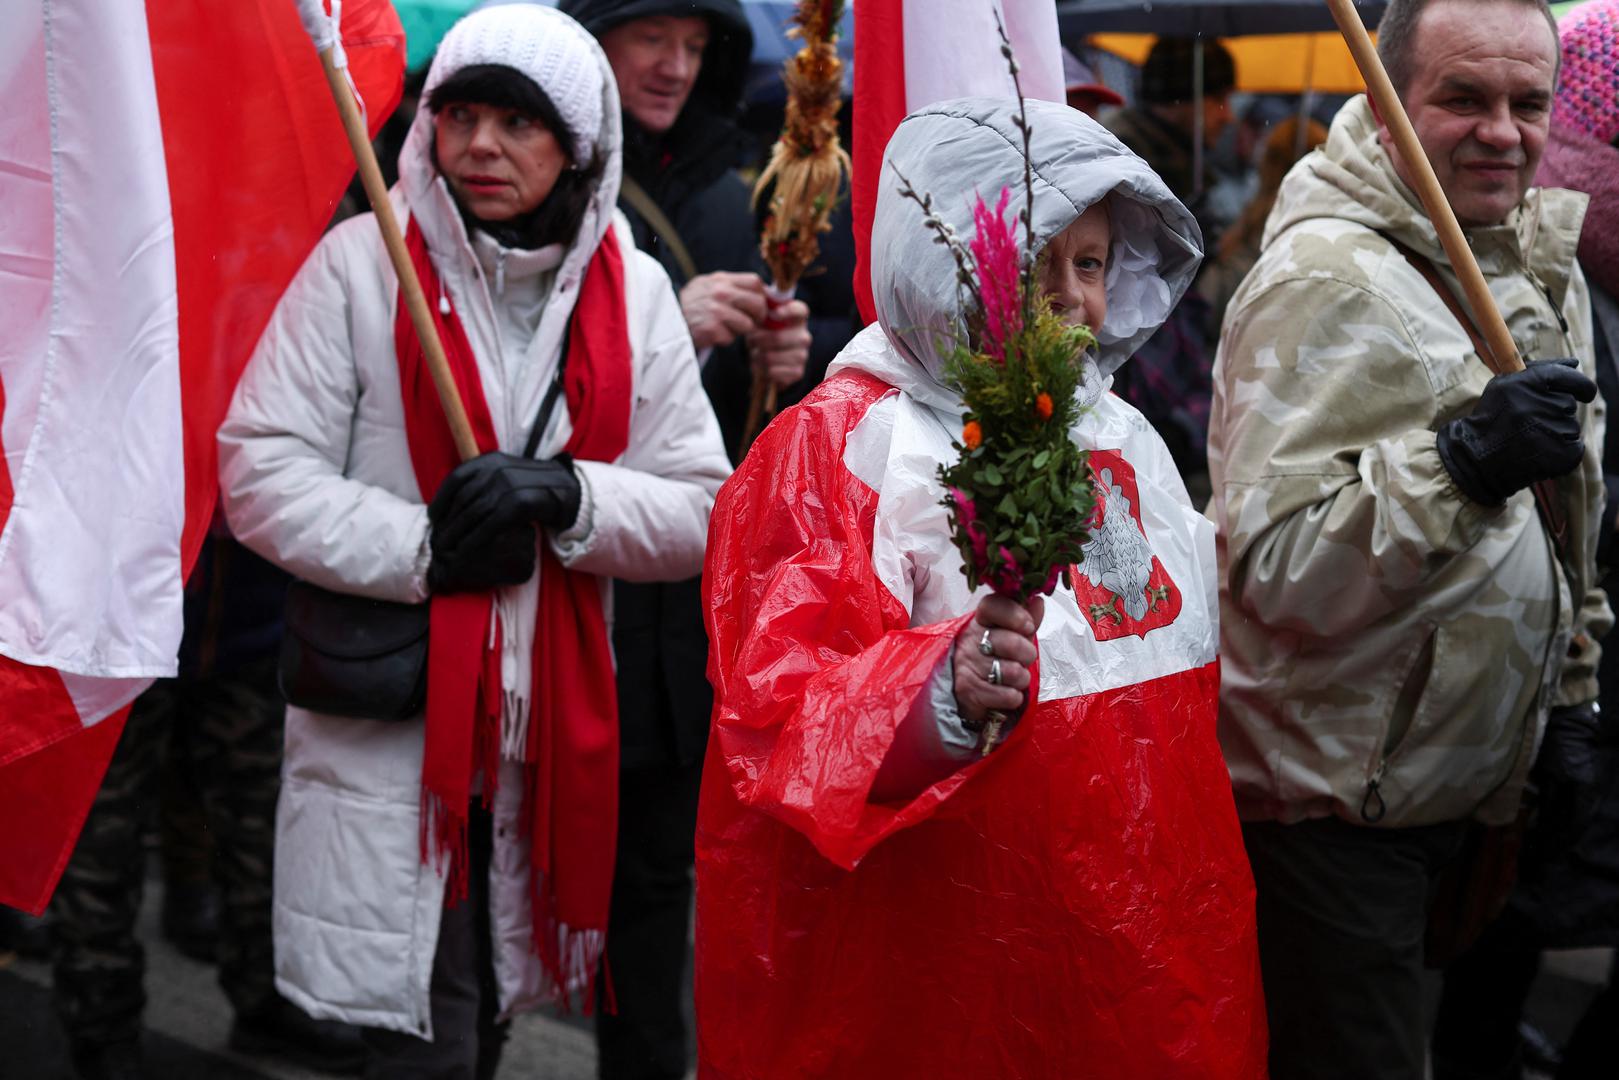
(192, 791)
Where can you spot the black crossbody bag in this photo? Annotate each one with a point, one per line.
(352, 656)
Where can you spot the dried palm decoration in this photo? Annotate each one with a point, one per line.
(808, 166)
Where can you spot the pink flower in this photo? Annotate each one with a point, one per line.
(995, 251)
(980, 542)
(1007, 576)
(1051, 581)
(967, 518)
(966, 511)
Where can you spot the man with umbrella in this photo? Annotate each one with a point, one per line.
(1407, 544)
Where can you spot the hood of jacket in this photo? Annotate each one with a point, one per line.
(725, 61)
(957, 150)
(428, 194)
(1351, 178)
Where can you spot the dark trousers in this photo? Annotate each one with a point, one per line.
(463, 997)
(1342, 911)
(1594, 1046)
(224, 732)
(648, 927)
(1486, 989)
(1476, 1032)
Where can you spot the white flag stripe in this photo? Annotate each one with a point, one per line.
(955, 52)
(95, 699)
(25, 224)
(100, 483)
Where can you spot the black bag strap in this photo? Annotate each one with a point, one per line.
(659, 222)
(1547, 499)
(549, 403)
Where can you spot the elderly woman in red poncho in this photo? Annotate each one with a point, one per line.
(876, 898)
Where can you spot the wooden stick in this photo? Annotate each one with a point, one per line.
(393, 239)
(762, 393)
(1479, 299)
(761, 404)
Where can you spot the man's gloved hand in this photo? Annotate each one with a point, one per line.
(501, 554)
(1570, 776)
(1525, 428)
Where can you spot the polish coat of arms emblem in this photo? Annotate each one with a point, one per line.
(1122, 588)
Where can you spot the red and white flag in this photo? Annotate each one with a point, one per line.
(165, 167)
(911, 53)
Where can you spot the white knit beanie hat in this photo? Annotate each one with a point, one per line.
(542, 43)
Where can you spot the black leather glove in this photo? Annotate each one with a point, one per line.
(504, 489)
(486, 558)
(1570, 775)
(1524, 429)
(483, 516)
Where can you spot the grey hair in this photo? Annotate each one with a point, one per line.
(1397, 33)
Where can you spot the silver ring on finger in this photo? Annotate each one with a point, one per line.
(986, 646)
(994, 673)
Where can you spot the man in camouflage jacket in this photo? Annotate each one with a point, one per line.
(1396, 622)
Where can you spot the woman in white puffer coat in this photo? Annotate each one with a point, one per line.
(331, 453)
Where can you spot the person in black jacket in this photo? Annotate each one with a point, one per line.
(680, 66)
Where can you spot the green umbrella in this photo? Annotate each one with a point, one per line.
(426, 22)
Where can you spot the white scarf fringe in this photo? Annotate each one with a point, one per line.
(516, 609)
(581, 953)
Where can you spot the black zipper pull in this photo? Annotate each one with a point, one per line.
(1373, 813)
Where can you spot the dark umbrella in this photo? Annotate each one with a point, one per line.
(1203, 19)
(1210, 18)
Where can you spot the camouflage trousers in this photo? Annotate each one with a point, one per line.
(222, 734)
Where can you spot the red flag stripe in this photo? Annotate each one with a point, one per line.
(44, 799)
(879, 94)
(247, 213)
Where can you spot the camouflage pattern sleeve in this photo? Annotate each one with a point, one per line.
(1578, 681)
(1332, 503)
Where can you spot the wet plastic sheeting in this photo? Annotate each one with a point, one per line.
(1076, 905)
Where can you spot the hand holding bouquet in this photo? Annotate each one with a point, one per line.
(1020, 496)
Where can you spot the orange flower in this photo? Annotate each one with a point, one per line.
(972, 435)
(1042, 405)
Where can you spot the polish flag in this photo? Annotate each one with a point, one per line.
(165, 167)
(911, 53)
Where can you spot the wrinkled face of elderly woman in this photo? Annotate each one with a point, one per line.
(500, 162)
(1073, 264)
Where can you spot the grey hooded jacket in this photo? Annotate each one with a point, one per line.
(956, 150)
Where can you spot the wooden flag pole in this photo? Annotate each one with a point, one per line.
(1479, 299)
(394, 240)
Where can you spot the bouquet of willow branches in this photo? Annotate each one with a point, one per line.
(1020, 496)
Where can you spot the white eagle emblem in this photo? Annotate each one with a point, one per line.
(1117, 557)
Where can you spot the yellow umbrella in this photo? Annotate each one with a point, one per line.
(1267, 63)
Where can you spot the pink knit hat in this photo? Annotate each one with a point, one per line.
(1588, 90)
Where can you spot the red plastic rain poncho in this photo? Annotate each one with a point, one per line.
(1078, 904)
